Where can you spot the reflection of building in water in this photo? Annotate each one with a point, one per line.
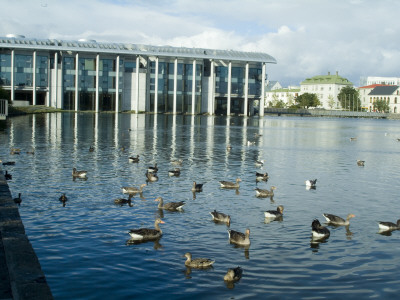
(87, 75)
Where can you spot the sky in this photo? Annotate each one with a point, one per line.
(307, 37)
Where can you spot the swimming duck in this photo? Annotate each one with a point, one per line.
(15, 151)
(274, 214)
(239, 238)
(265, 193)
(145, 234)
(197, 262)
(80, 174)
(91, 149)
(220, 217)
(177, 162)
(353, 139)
(262, 176)
(63, 198)
(230, 185)
(361, 163)
(134, 159)
(335, 220)
(151, 176)
(197, 187)
(384, 226)
(18, 200)
(311, 183)
(259, 163)
(152, 169)
(133, 190)
(319, 231)
(229, 147)
(174, 172)
(249, 143)
(233, 274)
(7, 176)
(170, 205)
(8, 163)
(122, 201)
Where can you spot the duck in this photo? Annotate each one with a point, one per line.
(360, 163)
(152, 169)
(239, 238)
(131, 190)
(265, 193)
(170, 205)
(197, 187)
(385, 226)
(274, 214)
(311, 183)
(145, 234)
(7, 176)
(8, 163)
(63, 198)
(122, 201)
(262, 176)
(230, 185)
(221, 217)
(91, 149)
(15, 151)
(259, 163)
(229, 148)
(249, 143)
(335, 220)
(177, 162)
(175, 172)
(80, 174)
(134, 159)
(197, 262)
(151, 176)
(319, 231)
(30, 152)
(233, 274)
(18, 200)
(353, 139)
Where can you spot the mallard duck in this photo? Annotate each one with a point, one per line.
(197, 187)
(385, 226)
(197, 262)
(361, 163)
(239, 238)
(18, 200)
(273, 214)
(133, 190)
(134, 159)
(170, 205)
(63, 198)
(319, 231)
(233, 274)
(311, 183)
(144, 234)
(230, 185)
(262, 176)
(335, 220)
(265, 193)
(80, 174)
(220, 217)
(175, 172)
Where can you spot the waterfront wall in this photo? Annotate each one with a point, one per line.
(20, 271)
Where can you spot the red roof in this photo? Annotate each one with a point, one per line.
(372, 86)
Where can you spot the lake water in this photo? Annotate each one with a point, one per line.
(84, 247)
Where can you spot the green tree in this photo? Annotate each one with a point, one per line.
(307, 100)
(4, 94)
(381, 106)
(349, 99)
(331, 101)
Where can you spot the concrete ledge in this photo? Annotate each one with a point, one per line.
(20, 272)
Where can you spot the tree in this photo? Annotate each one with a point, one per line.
(381, 106)
(4, 94)
(349, 99)
(307, 100)
(331, 101)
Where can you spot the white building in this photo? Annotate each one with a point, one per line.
(286, 95)
(366, 100)
(388, 93)
(370, 80)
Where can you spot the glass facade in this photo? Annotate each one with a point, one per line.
(41, 71)
(68, 83)
(23, 70)
(255, 80)
(87, 84)
(107, 84)
(5, 69)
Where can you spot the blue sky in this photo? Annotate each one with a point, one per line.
(307, 37)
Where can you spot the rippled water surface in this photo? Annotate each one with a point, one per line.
(84, 247)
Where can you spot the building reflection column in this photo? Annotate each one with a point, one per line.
(173, 139)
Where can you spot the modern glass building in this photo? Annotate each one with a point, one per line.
(88, 75)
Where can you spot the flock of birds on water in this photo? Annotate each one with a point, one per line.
(319, 232)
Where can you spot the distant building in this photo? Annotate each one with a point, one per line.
(286, 95)
(326, 87)
(273, 85)
(371, 80)
(366, 100)
(388, 93)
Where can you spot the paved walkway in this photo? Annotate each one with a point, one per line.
(21, 276)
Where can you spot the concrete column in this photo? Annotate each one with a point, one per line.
(97, 82)
(211, 90)
(175, 84)
(194, 87)
(34, 78)
(156, 88)
(246, 90)
(12, 76)
(137, 84)
(228, 108)
(117, 84)
(262, 98)
(55, 79)
(76, 81)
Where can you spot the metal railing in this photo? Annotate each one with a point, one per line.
(3, 109)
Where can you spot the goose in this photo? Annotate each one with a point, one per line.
(262, 176)
(145, 234)
(197, 262)
(131, 190)
(80, 174)
(63, 198)
(7, 176)
(361, 163)
(311, 183)
(174, 172)
(233, 274)
(220, 217)
(121, 201)
(152, 169)
(18, 200)
(319, 231)
(335, 220)
(91, 149)
(151, 176)
(259, 163)
(265, 193)
(230, 185)
(170, 205)
(239, 238)
(384, 226)
(197, 187)
(134, 159)
(274, 214)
